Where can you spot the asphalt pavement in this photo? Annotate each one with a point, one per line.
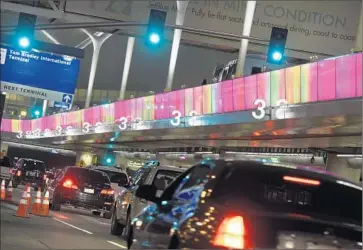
(66, 229)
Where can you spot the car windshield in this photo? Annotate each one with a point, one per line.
(115, 177)
(88, 176)
(267, 188)
(33, 165)
(163, 178)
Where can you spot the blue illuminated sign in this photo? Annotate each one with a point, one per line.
(37, 74)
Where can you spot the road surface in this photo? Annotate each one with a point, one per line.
(66, 229)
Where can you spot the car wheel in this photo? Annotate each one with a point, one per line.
(126, 232)
(96, 213)
(116, 227)
(174, 242)
(107, 215)
(55, 206)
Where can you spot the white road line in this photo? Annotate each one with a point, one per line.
(116, 244)
(80, 229)
(94, 220)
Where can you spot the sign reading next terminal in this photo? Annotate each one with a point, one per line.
(37, 74)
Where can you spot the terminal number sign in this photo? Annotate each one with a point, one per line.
(177, 120)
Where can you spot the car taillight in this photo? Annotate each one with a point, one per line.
(18, 173)
(302, 181)
(107, 191)
(69, 184)
(232, 233)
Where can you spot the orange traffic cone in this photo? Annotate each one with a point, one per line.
(2, 194)
(37, 204)
(45, 205)
(28, 195)
(9, 192)
(22, 210)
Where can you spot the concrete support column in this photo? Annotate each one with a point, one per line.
(247, 26)
(97, 42)
(180, 16)
(358, 39)
(343, 168)
(45, 105)
(125, 74)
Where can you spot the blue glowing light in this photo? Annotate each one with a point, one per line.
(154, 38)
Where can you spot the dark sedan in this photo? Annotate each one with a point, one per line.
(81, 188)
(245, 205)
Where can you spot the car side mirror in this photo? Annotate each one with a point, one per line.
(147, 192)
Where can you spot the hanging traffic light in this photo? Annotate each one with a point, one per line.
(109, 159)
(155, 28)
(277, 44)
(36, 112)
(25, 31)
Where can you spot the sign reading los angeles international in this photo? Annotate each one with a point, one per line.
(326, 27)
(40, 75)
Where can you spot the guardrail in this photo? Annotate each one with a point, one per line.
(326, 80)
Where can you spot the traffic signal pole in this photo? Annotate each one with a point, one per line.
(247, 26)
(180, 16)
(97, 45)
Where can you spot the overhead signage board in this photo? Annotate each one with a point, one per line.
(62, 105)
(39, 75)
(317, 26)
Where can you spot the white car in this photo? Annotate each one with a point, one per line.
(118, 178)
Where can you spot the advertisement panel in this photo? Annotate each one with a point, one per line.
(40, 75)
(317, 26)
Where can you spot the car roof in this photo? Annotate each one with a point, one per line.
(283, 167)
(28, 159)
(170, 168)
(112, 169)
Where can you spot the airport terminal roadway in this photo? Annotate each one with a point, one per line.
(66, 229)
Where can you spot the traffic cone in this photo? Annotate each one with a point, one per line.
(37, 204)
(28, 195)
(3, 192)
(22, 210)
(45, 205)
(9, 192)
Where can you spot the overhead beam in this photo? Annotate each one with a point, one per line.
(48, 47)
(48, 13)
(52, 4)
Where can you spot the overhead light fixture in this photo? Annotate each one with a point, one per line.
(349, 156)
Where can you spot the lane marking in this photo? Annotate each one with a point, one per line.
(78, 228)
(94, 220)
(116, 244)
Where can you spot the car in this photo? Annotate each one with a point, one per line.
(29, 171)
(219, 204)
(127, 206)
(118, 178)
(83, 188)
(6, 169)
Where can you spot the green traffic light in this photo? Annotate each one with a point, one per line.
(154, 38)
(24, 42)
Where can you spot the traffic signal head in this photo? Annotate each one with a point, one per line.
(25, 31)
(109, 159)
(36, 112)
(24, 42)
(155, 28)
(277, 44)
